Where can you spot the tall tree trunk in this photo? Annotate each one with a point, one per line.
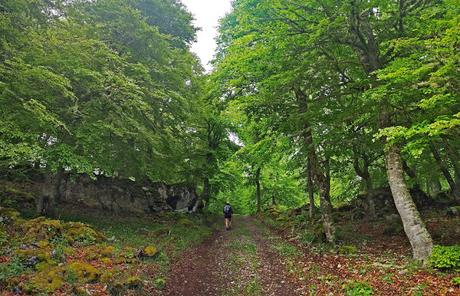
(434, 187)
(445, 171)
(410, 172)
(204, 197)
(206, 190)
(258, 197)
(319, 177)
(310, 189)
(369, 55)
(50, 193)
(363, 172)
(417, 191)
(419, 237)
(455, 159)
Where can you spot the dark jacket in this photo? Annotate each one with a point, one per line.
(229, 212)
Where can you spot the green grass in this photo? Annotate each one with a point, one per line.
(285, 249)
(253, 288)
(242, 260)
(355, 288)
(243, 246)
(11, 269)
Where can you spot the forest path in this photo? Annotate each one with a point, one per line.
(241, 261)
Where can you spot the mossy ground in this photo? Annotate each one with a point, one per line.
(107, 255)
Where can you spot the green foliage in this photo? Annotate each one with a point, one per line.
(312, 233)
(11, 269)
(456, 281)
(446, 258)
(160, 283)
(347, 250)
(94, 89)
(286, 249)
(367, 84)
(358, 289)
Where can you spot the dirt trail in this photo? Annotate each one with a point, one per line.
(236, 262)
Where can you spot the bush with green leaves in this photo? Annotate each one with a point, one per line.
(160, 283)
(446, 257)
(11, 269)
(456, 281)
(358, 289)
(347, 250)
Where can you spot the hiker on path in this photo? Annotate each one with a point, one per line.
(228, 211)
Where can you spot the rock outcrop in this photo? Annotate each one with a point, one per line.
(122, 195)
(113, 195)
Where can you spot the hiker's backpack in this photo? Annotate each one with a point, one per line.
(227, 209)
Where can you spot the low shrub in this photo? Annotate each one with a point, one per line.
(160, 283)
(358, 289)
(347, 250)
(11, 269)
(446, 258)
(313, 233)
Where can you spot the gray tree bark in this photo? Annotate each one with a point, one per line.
(419, 237)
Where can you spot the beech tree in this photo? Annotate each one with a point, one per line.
(363, 83)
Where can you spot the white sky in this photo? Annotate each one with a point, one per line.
(207, 14)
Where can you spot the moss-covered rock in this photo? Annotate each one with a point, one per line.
(107, 251)
(85, 272)
(50, 277)
(148, 252)
(42, 229)
(76, 232)
(9, 216)
(33, 254)
(133, 282)
(46, 281)
(16, 196)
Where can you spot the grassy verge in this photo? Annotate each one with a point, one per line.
(242, 263)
